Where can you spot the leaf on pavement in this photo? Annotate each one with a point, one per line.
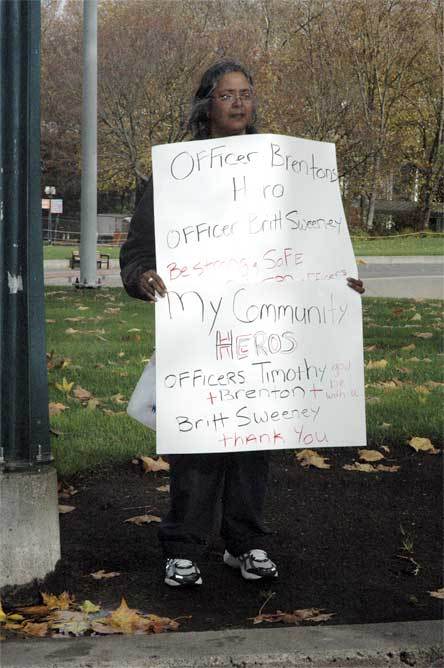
(376, 364)
(295, 617)
(88, 607)
(423, 445)
(368, 468)
(35, 629)
(312, 458)
(143, 519)
(125, 619)
(64, 386)
(370, 455)
(103, 575)
(163, 488)
(56, 408)
(439, 593)
(65, 509)
(69, 622)
(150, 464)
(62, 602)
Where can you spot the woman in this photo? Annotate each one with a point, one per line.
(224, 105)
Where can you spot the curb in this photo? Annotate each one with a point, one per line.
(416, 644)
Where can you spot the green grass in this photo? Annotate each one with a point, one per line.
(65, 252)
(105, 357)
(399, 245)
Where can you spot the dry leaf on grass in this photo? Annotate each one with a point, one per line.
(56, 408)
(439, 593)
(370, 455)
(423, 445)
(118, 399)
(81, 394)
(70, 330)
(64, 386)
(150, 464)
(411, 346)
(295, 617)
(65, 509)
(422, 389)
(92, 404)
(376, 364)
(417, 316)
(112, 311)
(423, 335)
(83, 308)
(312, 458)
(103, 575)
(370, 349)
(61, 602)
(143, 519)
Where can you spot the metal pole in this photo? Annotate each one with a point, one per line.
(88, 220)
(24, 384)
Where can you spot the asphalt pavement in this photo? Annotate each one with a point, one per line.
(404, 276)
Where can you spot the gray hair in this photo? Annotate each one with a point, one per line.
(199, 118)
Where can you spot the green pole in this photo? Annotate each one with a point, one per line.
(23, 388)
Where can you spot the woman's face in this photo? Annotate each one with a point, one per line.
(232, 106)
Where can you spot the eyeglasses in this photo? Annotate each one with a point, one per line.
(228, 98)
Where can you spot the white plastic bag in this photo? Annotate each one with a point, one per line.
(142, 404)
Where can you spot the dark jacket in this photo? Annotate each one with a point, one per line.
(138, 253)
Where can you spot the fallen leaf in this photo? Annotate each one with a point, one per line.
(64, 386)
(112, 311)
(409, 347)
(56, 408)
(422, 389)
(134, 329)
(83, 308)
(295, 617)
(376, 364)
(368, 468)
(423, 445)
(70, 330)
(163, 488)
(423, 335)
(104, 629)
(118, 399)
(385, 447)
(359, 260)
(125, 619)
(89, 608)
(92, 404)
(370, 349)
(103, 575)
(386, 425)
(81, 394)
(370, 455)
(373, 400)
(62, 602)
(150, 464)
(417, 316)
(68, 491)
(49, 321)
(69, 622)
(34, 610)
(143, 519)
(312, 458)
(439, 593)
(35, 629)
(77, 319)
(6, 618)
(66, 509)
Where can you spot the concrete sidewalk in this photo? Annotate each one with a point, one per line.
(418, 644)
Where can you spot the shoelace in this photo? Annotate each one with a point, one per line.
(182, 563)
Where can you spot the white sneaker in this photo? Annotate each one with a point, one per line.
(254, 565)
(182, 572)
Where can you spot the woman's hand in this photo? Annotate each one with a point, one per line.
(150, 283)
(356, 284)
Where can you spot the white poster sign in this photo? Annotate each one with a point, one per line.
(259, 339)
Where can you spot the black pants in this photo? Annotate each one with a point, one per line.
(198, 484)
